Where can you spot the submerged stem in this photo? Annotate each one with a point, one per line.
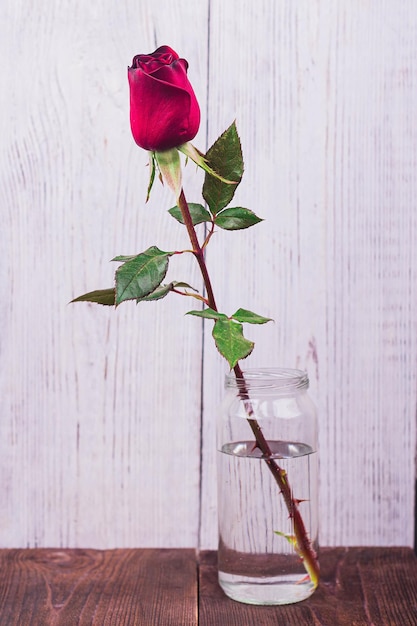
(303, 545)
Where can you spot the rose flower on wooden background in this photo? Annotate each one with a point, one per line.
(164, 117)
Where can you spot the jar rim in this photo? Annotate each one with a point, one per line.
(282, 378)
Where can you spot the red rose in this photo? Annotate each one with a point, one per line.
(164, 111)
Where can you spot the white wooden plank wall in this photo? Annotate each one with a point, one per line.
(102, 439)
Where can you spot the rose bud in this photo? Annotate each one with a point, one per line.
(164, 111)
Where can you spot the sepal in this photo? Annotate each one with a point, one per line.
(152, 167)
(199, 159)
(169, 165)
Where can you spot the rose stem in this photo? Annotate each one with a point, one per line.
(304, 546)
(197, 249)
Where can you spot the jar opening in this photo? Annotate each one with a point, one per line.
(284, 379)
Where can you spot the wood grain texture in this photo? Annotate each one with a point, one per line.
(108, 417)
(87, 587)
(359, 586)
(100, 428)
(326, 107)
(154, 587)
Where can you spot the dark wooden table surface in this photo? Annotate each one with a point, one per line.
(176, 587)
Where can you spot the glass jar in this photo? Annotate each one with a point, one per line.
(267, 488)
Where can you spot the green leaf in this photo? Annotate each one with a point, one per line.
(230, 342)
(140, 276)
(106, 297)
(242, 315)
(236, 218)
(208, 314)
(225, 157)
(163, 290)
(124, 257)
(198, 213)
(157, 294)
(184, 286)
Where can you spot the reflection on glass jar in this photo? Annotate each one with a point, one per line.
(268, 488)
